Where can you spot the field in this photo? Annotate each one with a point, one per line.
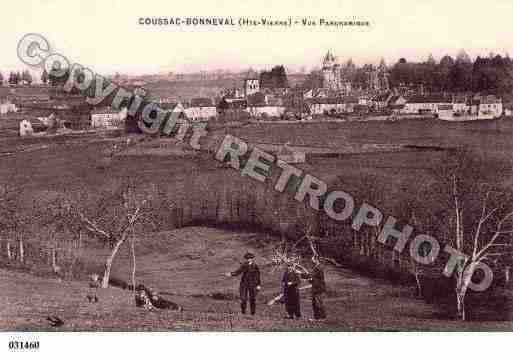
(186, 264)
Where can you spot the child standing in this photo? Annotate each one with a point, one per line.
(94, 284)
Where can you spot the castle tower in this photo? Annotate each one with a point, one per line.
(331, 72)
(379, 77)
(251, 86)
(383, 76)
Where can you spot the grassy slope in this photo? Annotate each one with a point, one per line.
(187, 263)
(26, 300)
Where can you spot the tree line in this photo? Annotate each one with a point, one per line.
(16, 77)
(492, 74)
(276, 78)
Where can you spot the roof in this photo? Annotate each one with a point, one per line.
(256, 100)
(274, 101)
(103, 110)
(490, 99)
(459, 99)
(267, 105)
(430, 99)
(332, 100)
(319, 92)
(325, 100)
(381, 97)
(394, 98)
(167, 105)
(266, 102)
(236, 102)
(350, 99)
(485, 99)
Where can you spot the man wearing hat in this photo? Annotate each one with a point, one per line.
(249, 282)
(316, 277)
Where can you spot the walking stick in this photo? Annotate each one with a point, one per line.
(278, 297)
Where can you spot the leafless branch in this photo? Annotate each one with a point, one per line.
(495, 236)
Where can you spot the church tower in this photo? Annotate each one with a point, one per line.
(379, 78)
(331, 72)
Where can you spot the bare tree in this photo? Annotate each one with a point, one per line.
(15, 218)
(475, 213)
(492, 238)
(63, 230)
(283, 257)
(114, 220)
(132, 251)
(293, 253)
(368, 188)
(405, 210)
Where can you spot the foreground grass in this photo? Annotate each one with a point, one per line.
(186, 265)
(188, 272)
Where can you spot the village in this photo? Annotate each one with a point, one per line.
(327, 94)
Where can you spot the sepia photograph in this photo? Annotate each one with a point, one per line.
(233, 166)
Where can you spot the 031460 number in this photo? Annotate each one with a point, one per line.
(21, 345)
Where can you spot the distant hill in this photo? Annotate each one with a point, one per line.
(185, 90)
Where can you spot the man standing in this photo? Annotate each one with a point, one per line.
(318, 289)
(290, 282)
(249, 282)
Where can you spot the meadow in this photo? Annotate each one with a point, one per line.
(184, 256)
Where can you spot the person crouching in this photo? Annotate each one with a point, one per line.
(142, 298)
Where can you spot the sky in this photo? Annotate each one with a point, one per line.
(106, 36)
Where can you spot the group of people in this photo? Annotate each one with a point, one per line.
(144, 296)
(250, 284)
(148, 299)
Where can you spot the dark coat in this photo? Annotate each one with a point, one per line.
(250, 275)
(290, 291)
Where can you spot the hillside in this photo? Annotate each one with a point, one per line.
(185, 266)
